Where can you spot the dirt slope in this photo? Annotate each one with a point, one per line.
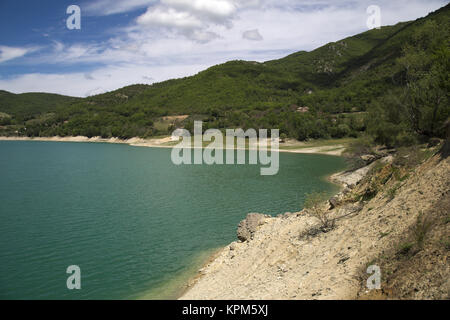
(289, 256)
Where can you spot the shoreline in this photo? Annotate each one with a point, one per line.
(191, 281)
(332, 150)
(332, 178)
(287, 258)
(181, 282)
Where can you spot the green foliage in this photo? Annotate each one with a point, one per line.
(421, 229)
(410, 157)
(392, 82)
(384, 234)
(405, 248)
(27, 105)
(315, 200)
(446, 243)
(314, 204)
(393, 191)
(364, 145)
(420, 108)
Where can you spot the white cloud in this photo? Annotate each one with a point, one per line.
(99, 81)
(177, 38)
(10, 53)
(169, 17)
(95, 92)
(58, 46)
(88, 76)
(212, 9)
(190, 18)
(252, 35)
(218, 8)
(202, 36)
(109, 7)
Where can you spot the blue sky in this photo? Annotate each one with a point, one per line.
(145, 41)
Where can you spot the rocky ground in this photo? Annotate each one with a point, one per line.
(393, 213)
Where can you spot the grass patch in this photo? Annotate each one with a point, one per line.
(410, 157)
(446, 243)
(447, 219)
(417, 237)
(384, 234)
(405, 248)
(298, 145)
(4, 115)
(421, 228)
(357, 148)
(314, 204)
(393, 191)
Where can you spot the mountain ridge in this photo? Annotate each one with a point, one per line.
(342, 77)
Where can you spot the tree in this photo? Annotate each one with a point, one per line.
(420, 108)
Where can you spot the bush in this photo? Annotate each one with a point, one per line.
(409, 157)
(356, 149)
(5, 121)
(315, 205)
(421, 228)
(393, 191)
(405, 248)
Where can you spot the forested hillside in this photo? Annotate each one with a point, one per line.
(391, 83)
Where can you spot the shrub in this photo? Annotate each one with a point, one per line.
(405, 248)
(356, 149)
(315, 205)
(421, 228)
(393, 191)
(409, 157)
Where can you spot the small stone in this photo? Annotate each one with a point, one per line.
(333, 203)
(434, 142)
(249, 225)
(368, 158)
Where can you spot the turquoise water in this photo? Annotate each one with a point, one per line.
(129, 218)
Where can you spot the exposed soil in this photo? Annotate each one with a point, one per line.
(292, 257)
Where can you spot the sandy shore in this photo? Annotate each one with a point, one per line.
(334, 150)
(179, 283)
(181, 286)
(288, 258)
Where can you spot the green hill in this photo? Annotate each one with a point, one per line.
(28, 105)
(336, 85)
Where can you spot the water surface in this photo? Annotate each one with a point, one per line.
(131, 220)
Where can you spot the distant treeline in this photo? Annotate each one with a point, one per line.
(391, 83)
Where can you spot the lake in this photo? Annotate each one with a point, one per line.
(136, 225)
